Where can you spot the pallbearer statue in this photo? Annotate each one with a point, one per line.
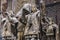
(51, 29)
(5, 22)
(32, 26)
(26, 9)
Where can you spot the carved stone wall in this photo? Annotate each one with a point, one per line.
(20, 4)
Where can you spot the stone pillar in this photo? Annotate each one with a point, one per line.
(14, 4)
(9, 5)
(3, 2)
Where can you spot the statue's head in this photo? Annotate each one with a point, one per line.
(50, 21)
(3, 20)
(34, 9)
(11, 13)
(27, 8)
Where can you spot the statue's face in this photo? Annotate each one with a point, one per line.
(33, 8)
(25, 12)
(50, 21)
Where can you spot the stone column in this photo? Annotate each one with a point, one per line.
(9, 5)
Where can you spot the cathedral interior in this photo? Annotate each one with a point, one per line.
(29, 19)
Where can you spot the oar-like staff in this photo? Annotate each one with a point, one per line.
(42, 15)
